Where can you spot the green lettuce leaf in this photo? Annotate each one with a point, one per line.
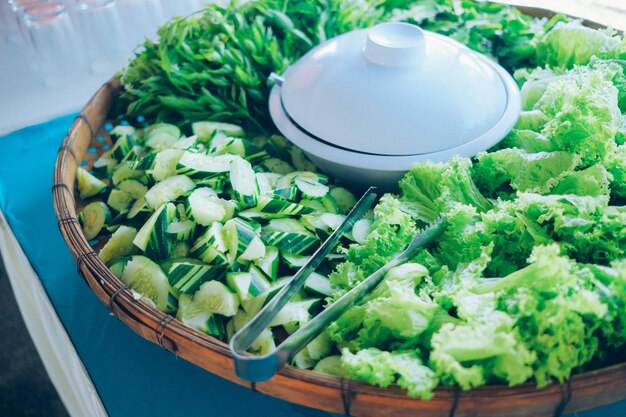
(515, 170)
(583, 112)
(570, 43)
(433, 188)
(383, 368)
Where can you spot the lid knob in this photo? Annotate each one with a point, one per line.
(394, 44)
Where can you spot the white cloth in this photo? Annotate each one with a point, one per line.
(66, 370)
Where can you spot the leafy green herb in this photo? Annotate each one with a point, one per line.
(214, 65)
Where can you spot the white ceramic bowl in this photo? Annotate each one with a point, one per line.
(365, 106)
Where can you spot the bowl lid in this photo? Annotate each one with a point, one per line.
(395, 89)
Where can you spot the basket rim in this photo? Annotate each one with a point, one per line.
(181, 339)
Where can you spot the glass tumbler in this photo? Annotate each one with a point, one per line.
(101, 34)
(53, 40)
(9, 29)
(12, 22)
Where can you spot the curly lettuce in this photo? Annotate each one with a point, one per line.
(571, 43)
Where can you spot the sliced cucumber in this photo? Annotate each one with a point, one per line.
(219, 140)
(318, 284)
(230, 207)
(94, 217)
(285, 225)
(270, 208)
(217, 298)
(303, 360)
(294, 243)
(259, 283)
(209, 254)
(327, 222)
(269, 263)
(263, 181)
(104, 166)
(361, 229)
(253, 305)
(278, 166)
(204, 207)
(331, 365)
(124, 149)
(192, 314)
(319, 347)
(172, 301)
(168, 190)
(201, 166)
(146, 162)
(255, 250)
(238, 236)
(211, 238)
(162, 128)
(206, 130)
(240, 283)
(165, 163)
(180, 250)
(116, 222)
(152, 238)
(300, 161)
(330, 205)
(189, 143)
(146, 277)
(215, 237)
(287, 193)
(308, 177)
(180, 207)
(187, 277)
(344, 199)
(232, 146)
(295, 311)
(117, 267)
(138, 207)
(291, 328)
(123, 130)
(119, 200)
(162, 141)
(119, 244)
(264, 343)
(167, 264)
(314, 204)
(181, 231)
(243, 180)
(125, 171)
(133, 187)
(240, 319)
(162, 136)
(294, 261)
(230, 329)
(311, 188)
(88, 185)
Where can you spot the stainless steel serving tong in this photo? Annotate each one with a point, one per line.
(260, 368)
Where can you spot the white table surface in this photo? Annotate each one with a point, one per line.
(25, 100)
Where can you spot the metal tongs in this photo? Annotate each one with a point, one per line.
(260, 368)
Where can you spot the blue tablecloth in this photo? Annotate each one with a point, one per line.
(132, 376)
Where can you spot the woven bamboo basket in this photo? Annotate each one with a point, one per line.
(85, 141)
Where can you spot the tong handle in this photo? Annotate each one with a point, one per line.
(260, 368)
(296, 341)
